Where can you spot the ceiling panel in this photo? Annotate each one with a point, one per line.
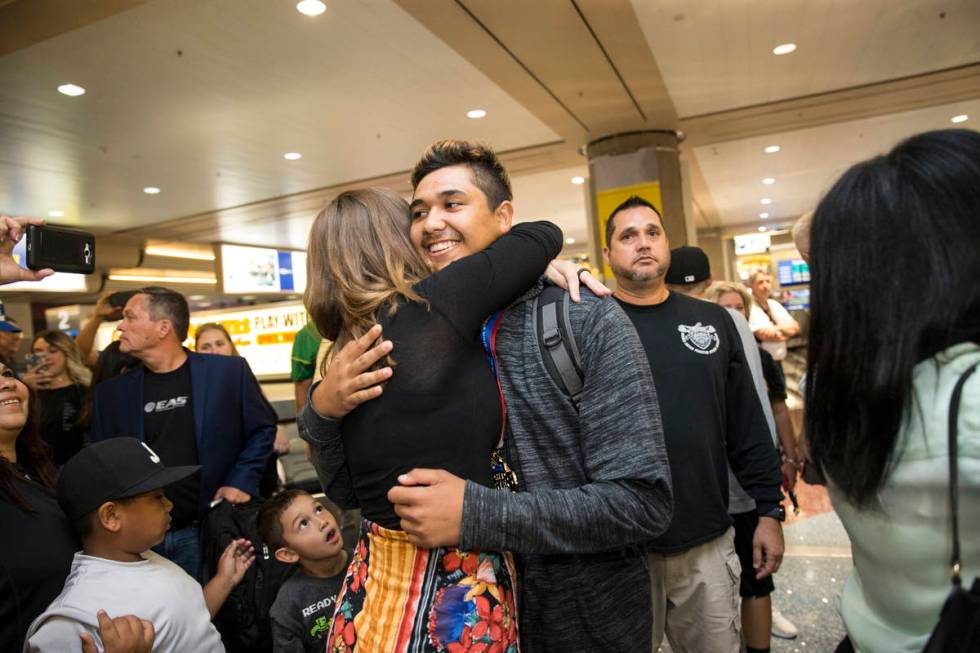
(202, 98)
(716, 55)
(809, 161)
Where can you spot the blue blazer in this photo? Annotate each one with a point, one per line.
(233, 422)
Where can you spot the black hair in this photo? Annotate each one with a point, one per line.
(268, 523)
(167, 304)
(894, 281)
(631, 202)
(33, 457)
(84, 526)
(489, 174)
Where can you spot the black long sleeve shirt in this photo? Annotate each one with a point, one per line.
(441, 408)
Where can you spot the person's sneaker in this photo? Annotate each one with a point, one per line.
(783, 627)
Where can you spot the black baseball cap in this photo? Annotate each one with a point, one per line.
(111, 469)
(688, 265)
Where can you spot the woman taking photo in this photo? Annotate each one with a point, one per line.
(895, 292)
(441, 409)
(60, 378)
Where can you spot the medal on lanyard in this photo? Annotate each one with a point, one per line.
(501, 473)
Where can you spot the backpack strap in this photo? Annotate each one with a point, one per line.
(954, 412)
(556, 339)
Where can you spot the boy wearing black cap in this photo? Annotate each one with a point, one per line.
(113, 493)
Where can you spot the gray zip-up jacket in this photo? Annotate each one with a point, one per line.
(597, 482)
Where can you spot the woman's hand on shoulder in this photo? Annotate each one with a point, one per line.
(571, 276)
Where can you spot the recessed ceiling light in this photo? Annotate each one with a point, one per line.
(768, 181)
(71, 89)
(292, 156)
(765, 200)
(151, 190)
(763, 215)
(772, 149)
(311, 7)
(56, 214)
(960, 118)
(784, 48)
(569, 241)
(578, 181)
(476, 113)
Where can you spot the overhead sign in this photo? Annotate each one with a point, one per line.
(262, 334)
(752, 244)
(261, 270)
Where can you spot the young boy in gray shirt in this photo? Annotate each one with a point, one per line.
(302, 532)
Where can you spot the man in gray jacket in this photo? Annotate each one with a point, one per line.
(594, 477)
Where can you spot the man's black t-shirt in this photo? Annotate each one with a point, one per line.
(168, 427)
(711, 414)
(59, 421)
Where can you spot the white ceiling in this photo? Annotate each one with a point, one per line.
(716, 55)
(809, 161)
(359, 91)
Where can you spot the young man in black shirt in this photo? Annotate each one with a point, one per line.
(712, 418)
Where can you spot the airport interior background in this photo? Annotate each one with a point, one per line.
(197, 139)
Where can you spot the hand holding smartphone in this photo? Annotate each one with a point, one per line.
(60, 249)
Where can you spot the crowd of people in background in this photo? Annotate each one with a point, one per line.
(600, 476)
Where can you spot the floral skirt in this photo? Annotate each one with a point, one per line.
(398, 598)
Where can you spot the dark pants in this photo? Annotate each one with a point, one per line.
(183, 547)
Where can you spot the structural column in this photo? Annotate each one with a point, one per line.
(643, 163)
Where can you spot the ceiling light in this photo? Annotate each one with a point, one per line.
(177, 252)
(311, 7)
(71, 89)
(765, 200)
(476, 113)
(763, 215)
(151, 190)
(768, 181)
(578, 181)
(292, 156)
(772, 149)
(761, 230)
(140, 278)
(960, 118)
(569, 241)
(784, 48)
(56, 214)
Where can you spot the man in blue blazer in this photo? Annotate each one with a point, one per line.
(192, 409)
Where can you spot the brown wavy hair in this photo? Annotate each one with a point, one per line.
(78, 372)
(360, 261)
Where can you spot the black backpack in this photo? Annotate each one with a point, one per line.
(556, 339)
(243, 620)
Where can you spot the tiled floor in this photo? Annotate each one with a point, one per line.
(817, 561)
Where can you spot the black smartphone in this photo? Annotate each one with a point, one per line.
(62, 250)
(119, 299)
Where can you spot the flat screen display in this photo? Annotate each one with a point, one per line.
(793, 272)
(260, 270)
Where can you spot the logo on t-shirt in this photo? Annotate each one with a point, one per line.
(165, 404)
(699, 339)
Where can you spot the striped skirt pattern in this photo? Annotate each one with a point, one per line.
(398, 598)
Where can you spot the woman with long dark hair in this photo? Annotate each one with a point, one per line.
(895, 322)
(440, 409)
(36, 541)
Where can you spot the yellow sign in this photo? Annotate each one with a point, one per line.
(606, 202)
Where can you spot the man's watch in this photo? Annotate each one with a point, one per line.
(778, 513)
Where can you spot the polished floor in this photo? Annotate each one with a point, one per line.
(818, 559)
